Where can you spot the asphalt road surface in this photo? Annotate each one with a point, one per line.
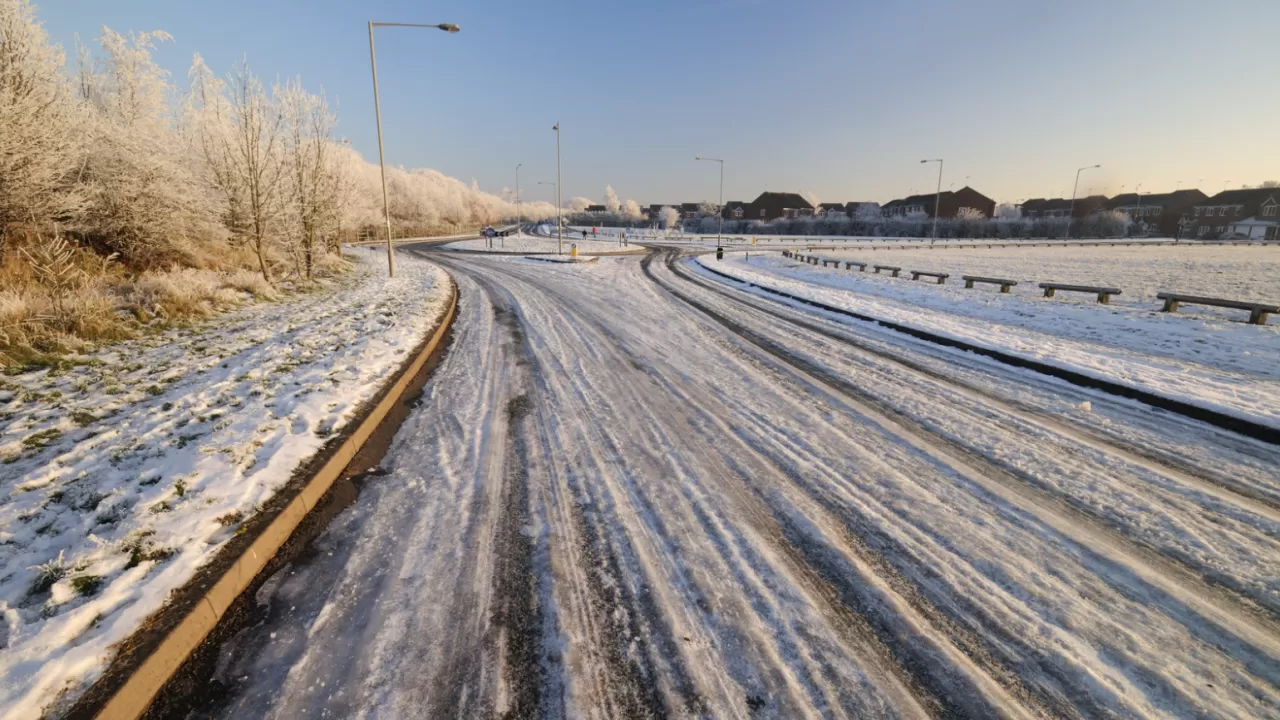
(631, 490)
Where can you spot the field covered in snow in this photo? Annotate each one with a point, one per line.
(1211, 359)
(1224, 271)
(126, 471)
(536, 245)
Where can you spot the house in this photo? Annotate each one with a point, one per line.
(950, 204)
(690, 211)
(908, 206)
(774, 205)
(1038, 208)
(734, 210)
(596, 209)
(1247, 210)
(828, 209)
(1162, 212)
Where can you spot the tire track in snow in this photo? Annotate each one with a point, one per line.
(1215, 484)
(1250, 632)
(695, 544)
(855, 611)
(1258, 520)
(622, 683)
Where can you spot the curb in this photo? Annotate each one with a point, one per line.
(132, 699)
(1241, 426)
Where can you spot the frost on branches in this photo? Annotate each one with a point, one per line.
(120, 158)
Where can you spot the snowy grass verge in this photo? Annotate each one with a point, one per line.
(1206, 361)
(122, 476)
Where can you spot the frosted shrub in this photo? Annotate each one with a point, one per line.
(252, 283)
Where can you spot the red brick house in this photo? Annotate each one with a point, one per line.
(950, 204)
(1161, 212)
(1213, 218)
(1038, 208)
(774, 205)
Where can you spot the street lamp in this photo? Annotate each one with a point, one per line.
(1071, 213)
(1138, 218)
(559, 227)
(719, 207)
(937, 200)
(377, 109)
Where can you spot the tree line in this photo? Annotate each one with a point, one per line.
(108, 151)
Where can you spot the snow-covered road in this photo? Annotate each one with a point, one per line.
(631, 490)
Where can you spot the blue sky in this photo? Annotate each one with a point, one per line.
(839, 98)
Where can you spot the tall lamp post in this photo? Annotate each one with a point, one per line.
(1072, 213)
(377, 109)
(720, 206)
(937, 200)
(1138, 190)
(518, 196)
(559, 226)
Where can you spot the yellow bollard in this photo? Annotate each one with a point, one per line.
(753, 239)
(573, 251)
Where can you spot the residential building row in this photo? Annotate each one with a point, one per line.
(1253, 213)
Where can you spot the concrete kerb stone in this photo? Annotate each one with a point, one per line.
(132, 698)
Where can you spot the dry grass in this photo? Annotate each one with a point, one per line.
(57, 297)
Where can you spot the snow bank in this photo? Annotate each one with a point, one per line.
(124, 475)
(1221, 364)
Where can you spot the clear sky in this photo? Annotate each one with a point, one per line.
(839, 98)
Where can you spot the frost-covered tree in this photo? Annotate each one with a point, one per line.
(970, 214)
(311, 182)
(867, 212)
(706, 207)
(256, 128)
(39, 126)
(210, 126)
(578, 204)
(611, 203)
(668, 218)
(144, 199)
(1008, 211)
(631, 210)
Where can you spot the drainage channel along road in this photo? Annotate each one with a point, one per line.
(633, 489)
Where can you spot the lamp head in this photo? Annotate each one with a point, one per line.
(449, 27)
